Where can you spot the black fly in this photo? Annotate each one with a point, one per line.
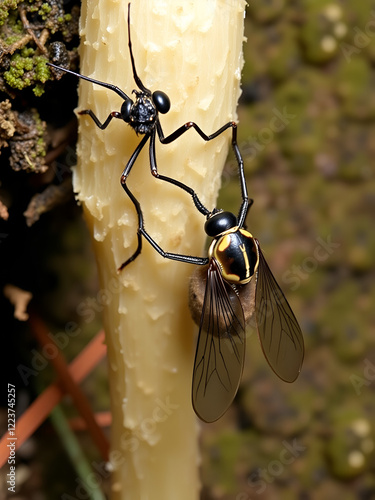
(142, 114)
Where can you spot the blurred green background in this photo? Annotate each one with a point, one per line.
(306, 128)
(307, 133)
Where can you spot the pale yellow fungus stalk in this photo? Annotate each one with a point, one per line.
(192, 50)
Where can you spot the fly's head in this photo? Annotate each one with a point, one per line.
(219, 222)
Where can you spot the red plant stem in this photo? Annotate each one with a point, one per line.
(80, 400)
(39, 410)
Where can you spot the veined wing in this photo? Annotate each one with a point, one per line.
(278, 329)
(220, 350)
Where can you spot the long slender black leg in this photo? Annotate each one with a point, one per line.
(141, 232)
(251, 201)
(135, 202)
(188, 259)
(98, 123)
(140, 224)
(187, 126)
(199, 205)
(133, 158)
(245, 198)
(184, 128)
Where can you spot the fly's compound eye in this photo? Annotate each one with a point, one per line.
(161, 101)
(126, 109)
(220, 222)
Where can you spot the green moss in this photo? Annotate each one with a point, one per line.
(283, 52)
(26, 69)
(350, 449)
(27, 52)
(324, 28)
(14, 24)
(45, 8)
(42, 72)
(310, 463)
(5, 7)
(19, 65)
(12, 39)
(265, 12)
(220, 471)
(33, 8)
(354, 87)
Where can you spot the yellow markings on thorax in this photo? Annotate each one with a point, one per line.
(224, 243)
(232, 278)
(246, 259)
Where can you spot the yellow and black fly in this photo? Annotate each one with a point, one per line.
(235, 261)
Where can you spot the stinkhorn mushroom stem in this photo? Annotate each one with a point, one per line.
(191, 50)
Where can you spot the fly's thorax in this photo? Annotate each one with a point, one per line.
(237, 255)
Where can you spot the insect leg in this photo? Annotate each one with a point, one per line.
(199, 205)
(142, 232)
(140, 224)
(135, 202)
(98, 123)
(181, 130)
(184, 128)
(132, 159)
(188, 259)
(245, 198)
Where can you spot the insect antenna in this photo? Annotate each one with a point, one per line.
(109, 86)
(137, 80)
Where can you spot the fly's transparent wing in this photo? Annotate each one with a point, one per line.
(220, 350)
(278, 329)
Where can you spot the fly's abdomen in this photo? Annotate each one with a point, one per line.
(237, 255)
